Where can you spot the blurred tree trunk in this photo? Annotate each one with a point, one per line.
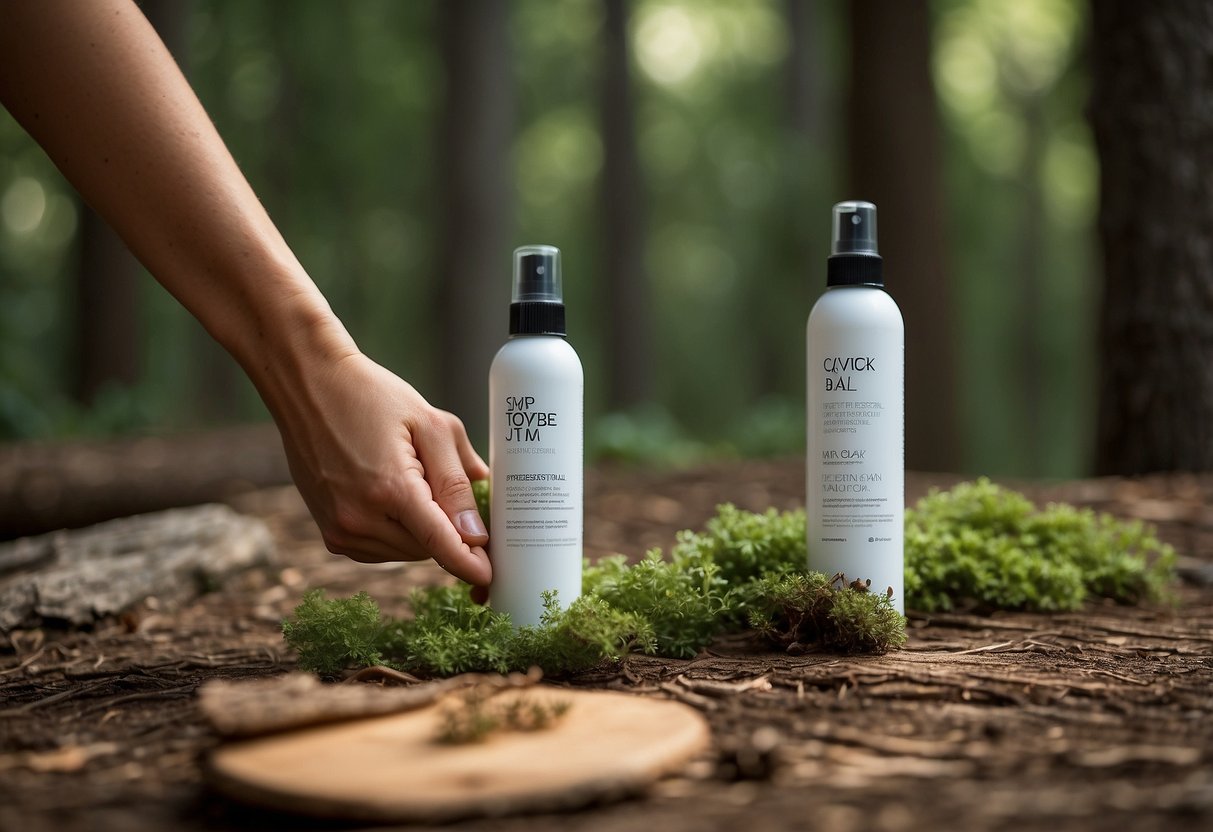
(1153, 69)
(108, 344)
(894, 161)
(1030, 274)
(473, 261)
(215, 376)
(624, 291)
(807, 181)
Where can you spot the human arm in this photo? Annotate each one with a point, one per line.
(385, 474)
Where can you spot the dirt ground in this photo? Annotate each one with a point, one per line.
(1101, 719)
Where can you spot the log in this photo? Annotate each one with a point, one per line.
(79, 577)
(48, 486)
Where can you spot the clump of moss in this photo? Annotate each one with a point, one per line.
(810, 609)
(977, 544)
(746, 546)
(740, 562)
(983, 545)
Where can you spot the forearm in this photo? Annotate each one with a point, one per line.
(99, 91)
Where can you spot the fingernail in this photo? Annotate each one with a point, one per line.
(470, 524)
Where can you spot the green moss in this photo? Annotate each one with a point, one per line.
(984, 545)
(977, 544)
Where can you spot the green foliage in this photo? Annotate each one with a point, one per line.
(671, 607)
(983, 544)
(976, 544)
(683, 600)
(332, 635)
(802, 608)
(449, 633)
(746, 546)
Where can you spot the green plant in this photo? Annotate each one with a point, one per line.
(746, 546)
(809, 608)
(333, 635)
(985, 545)
(977, 544)
(683, 601)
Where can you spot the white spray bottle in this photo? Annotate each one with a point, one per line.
(535, 447)
(855, 494)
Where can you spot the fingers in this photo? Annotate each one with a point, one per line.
(382, 541)
(475, 467)
(435, 531)
(446, 471)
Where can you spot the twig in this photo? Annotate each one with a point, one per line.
(986, 649)
(135, 697)
(50, 700)
(1121, 677)
(30, 659)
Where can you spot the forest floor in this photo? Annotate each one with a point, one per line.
(1099, 719)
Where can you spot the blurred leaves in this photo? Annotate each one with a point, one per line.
(332, 113)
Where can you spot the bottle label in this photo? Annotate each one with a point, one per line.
(535, 453)
(855, 478)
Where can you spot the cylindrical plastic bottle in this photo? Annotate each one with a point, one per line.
(535, 447)
(855, 489)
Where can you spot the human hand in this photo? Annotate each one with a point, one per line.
(386, 476)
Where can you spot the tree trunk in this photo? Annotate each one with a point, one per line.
(624, 289)
(215, 374)
(1031, 278)
(1153, 69)
(893, 143)
(474, 263)
(108, 333)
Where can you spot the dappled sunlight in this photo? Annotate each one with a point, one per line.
(23, 206)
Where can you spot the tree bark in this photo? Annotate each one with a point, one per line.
(108, 344)
(624, 291)
(108, 332)
(1153, 69)
(474, 264)
(894, 161)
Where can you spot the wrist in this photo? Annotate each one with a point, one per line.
(290, 342)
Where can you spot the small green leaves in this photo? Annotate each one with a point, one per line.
(986, 545)
(977, 544)
(333, 635)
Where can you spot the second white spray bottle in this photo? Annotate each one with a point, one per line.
(855, 495)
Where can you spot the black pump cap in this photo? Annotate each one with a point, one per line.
(854, 258)
(538, 299)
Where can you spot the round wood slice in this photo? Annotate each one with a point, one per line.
(607, 745)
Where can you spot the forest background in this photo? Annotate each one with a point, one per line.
(683, 155)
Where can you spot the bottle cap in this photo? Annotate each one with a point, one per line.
(537, 306)
(537, 275)
(854, 256)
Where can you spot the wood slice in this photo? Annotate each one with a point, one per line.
(389, 769)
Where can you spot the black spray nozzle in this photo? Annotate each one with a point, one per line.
(854, 228)
(537, 275)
